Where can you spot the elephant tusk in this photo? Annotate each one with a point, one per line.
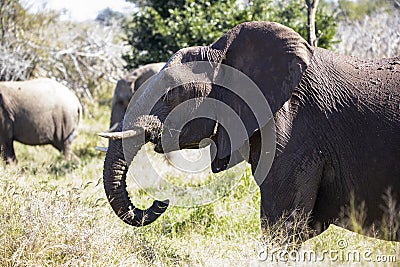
(119, 135)
(113, 128)
(102, 149)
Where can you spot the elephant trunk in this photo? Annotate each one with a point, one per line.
(114, 178)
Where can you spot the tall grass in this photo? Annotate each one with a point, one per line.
(54, 213)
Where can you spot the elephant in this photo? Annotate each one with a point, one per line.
(336, 120)
(125, 89)
(37, 112)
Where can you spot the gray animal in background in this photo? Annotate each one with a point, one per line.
(125, 89)
(37, 112)
(337, 126)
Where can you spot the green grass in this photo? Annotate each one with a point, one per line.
(54, 213)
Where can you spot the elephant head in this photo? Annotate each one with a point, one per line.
(271, 55)
(126, 87)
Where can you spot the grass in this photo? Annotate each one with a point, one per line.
(54, 213)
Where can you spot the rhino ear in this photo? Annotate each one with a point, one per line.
(274, 57)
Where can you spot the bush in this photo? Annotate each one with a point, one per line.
(83, 56)
(157, 30)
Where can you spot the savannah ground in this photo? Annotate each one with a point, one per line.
(55, 213)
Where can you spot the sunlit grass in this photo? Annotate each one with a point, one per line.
(54, 213)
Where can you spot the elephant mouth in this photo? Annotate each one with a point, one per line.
(190, 146)
(193, 145)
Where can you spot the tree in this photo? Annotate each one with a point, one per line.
(83, 56)
(18, 41)
(311, 11)
(107, 16)
(160, 28)
(293, 13)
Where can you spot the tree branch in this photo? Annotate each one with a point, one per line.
(311, 12)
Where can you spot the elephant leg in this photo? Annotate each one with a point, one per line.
(289, 193)
(290, 188)
(8, 153)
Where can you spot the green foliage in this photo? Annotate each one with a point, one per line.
(157, 31)
(160, 28)
(294, 15)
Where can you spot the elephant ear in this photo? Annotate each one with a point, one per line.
(274, 57)
(123, 88)
(139, 76)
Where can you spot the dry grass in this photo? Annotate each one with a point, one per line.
(54, 213)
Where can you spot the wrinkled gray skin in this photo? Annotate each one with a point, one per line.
(126, 87)
(337, 126)
(37, 112)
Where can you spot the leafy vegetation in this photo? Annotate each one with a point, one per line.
(294, 15)
(158, 29)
